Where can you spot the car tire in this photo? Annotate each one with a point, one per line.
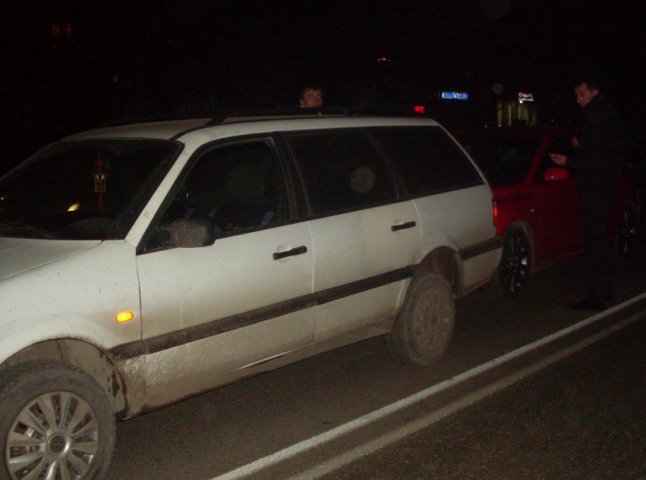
(627, 228)
(515, 264)
(424, 327)
(48, 409)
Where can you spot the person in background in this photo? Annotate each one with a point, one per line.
(311, 97)
(597, 163)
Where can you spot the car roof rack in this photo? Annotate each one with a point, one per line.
(297, 112)
(149, 118)
(237, 116)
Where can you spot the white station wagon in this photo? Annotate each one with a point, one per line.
(143, 264)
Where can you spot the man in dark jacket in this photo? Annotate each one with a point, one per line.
(597, 163)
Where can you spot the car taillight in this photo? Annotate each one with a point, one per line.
(494, 206)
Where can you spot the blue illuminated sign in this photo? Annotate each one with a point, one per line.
(454, 96)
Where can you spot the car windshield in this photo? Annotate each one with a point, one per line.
(83, 189)
(504, 161)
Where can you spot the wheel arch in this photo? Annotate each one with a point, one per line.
(83, 355)
(445, 261)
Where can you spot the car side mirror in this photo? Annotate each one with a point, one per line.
(555, 174)
(190, 232)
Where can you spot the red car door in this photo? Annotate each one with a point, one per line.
(557, 220)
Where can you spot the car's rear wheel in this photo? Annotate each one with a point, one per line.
(515, 264)
(423, 328)
(55, 423)
(627, 228)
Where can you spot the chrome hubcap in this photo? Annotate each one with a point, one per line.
(54, 437)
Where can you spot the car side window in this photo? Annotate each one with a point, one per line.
(231, 189)
(427, 159)
(341, 170)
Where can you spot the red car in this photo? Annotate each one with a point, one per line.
(536, 203)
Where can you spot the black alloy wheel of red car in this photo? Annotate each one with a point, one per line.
(515, 264)
(627, 228)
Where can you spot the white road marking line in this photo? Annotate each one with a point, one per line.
(318, 440)
(412, 427)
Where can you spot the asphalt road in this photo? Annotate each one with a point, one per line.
(502, 404)
(581, 418)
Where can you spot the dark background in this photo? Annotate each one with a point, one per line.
(132, 59)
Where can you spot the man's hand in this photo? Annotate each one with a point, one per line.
(559, 159)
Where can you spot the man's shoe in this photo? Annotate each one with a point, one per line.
(588, 303)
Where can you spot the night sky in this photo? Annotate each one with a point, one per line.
(128, 59)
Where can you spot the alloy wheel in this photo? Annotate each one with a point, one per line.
(515, 263)
(55, 436)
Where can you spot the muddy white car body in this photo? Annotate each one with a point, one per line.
(163, 308)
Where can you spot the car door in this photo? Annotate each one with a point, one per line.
(557, 220)
(364, 236)
(239, 300)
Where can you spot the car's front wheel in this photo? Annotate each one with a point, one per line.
(55, 423)
(515, 264)
(424, 326)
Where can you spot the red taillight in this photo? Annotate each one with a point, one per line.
(420, 109)
(495, 211)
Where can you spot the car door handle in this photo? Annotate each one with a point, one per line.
(403, 226)
(290, 253)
